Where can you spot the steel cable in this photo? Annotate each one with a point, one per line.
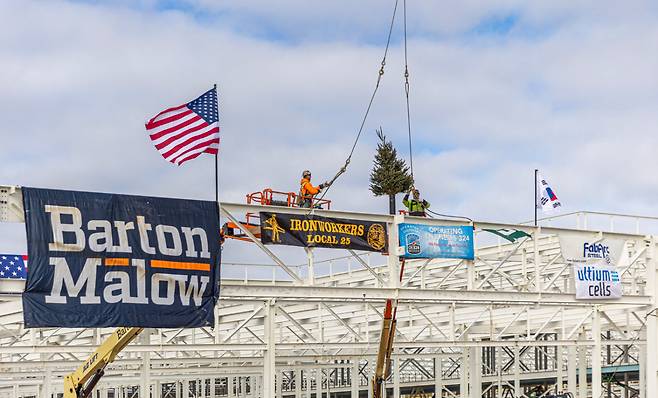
(343, 169)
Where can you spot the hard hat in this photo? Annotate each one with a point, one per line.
(306, 173)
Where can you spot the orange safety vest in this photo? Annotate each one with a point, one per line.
(306, 190)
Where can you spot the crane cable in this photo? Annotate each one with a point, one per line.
(406, 87)
(343, 169)
(406, 92)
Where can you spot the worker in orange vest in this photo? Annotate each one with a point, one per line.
(307, 191)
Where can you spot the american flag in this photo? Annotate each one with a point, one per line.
(13, 266)
(184, 132)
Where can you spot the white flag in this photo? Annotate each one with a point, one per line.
(547, 200)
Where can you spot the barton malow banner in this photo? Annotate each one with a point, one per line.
(594, 261)
(316, 231)
(425, 241)
(103, 260)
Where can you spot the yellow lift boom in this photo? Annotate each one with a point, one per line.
(81, 383)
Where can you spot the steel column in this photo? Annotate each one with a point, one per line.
(651, 368)
(355, 378)
(596, 353)
(438, 376)
(269, 369)
(582, 369)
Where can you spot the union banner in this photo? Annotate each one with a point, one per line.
(316, 231)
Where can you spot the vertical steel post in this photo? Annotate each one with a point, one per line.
(517, 371)
(298, 383)
(269, 378)
(311, 266)
(371, 374)
(396, 377)
(571, 369)
(438, 376)
(537, 258)
(475, 371)
(47, 381)
(318, 382)
(582, 367)
(145, 376)
(463, 374)
(596, 353)
(355, 378)
(651, 364)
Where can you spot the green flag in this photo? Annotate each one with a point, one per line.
(510, 234)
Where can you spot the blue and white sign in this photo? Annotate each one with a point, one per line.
(425, 241)
(102, 260)
(597, 281)
(594, 260)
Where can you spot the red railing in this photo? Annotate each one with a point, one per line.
(270, 197)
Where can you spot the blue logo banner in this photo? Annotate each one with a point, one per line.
(104, 260)
(425, 241)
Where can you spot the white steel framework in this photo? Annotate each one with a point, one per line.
(504, 325)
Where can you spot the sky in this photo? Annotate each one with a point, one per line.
(498, 88)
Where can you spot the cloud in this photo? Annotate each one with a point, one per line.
(562, 86)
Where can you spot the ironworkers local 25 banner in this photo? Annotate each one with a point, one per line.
(425, 241)
(316, 231)
(99, 260)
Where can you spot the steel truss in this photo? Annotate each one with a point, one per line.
(498, 326)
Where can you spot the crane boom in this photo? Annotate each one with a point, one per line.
(82, 381)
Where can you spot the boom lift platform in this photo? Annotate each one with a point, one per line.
(266, 197)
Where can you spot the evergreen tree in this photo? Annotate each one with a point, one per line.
(390, 175)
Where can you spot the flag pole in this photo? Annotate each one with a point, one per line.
(536, 171)
(217, 156)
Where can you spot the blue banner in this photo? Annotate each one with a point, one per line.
(104, 260)
(425, 241)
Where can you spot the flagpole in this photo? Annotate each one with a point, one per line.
(536, 171)
(217, 157)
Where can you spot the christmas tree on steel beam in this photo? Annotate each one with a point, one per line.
(390, 175)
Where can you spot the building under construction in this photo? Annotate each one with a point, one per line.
(506, 324)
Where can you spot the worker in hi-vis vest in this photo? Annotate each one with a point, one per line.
(307, 191)
(415, 206)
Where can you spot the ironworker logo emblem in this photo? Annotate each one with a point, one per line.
(275, 228)
(376, 236)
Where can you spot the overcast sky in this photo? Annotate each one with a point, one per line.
(498, 88)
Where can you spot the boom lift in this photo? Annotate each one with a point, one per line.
(383, 365)
(81, 383)
(266, 197)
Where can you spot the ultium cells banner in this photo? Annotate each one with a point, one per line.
(101, 260)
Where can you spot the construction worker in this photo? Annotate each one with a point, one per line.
(415, 206)
(307, 191)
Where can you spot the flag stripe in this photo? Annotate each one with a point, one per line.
(197, 145)
(193, 154)
(166, 112)
(172, 139)
(180, 145)
(165, 117)
(158, 133)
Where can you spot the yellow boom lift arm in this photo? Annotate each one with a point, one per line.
(81, 383)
